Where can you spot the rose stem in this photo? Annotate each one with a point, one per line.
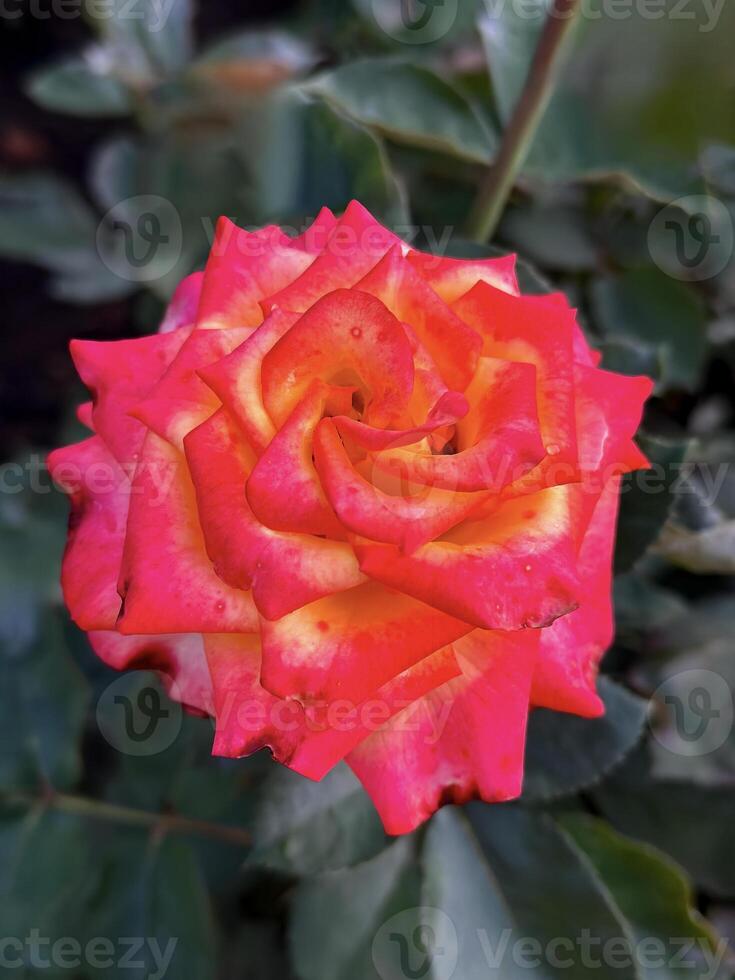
(159, 823)
(519, 134)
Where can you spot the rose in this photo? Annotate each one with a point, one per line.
(360, 505)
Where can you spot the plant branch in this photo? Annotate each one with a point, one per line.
(524, 122)
(160, 823)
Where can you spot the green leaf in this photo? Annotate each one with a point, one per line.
(158, 895)
(336, 915)
(303, 827)
(643, 609)
(647, 497)
(565, 754)
(147, 41)
(649, 308)
(48, 878)
(603, 124)
(553, 235)
(651, 894)
(693, 823)
(76, 87)
(43, 713)
(410, 104)
(304, 155)
(43, 220)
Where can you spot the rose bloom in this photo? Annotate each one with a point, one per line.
(354, 502)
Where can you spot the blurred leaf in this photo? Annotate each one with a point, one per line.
(410, 104)
(43, 220)
(553, 235)
(74, 86)
(718, 165)
(649, 308)
(48, 878)
(303, 155)
(147, 41)
(43, 713)
(566, 754)
(711, 551)
(643, 609)
(639, 129)
(626, 356)
(158, 895)
(647, 496)
(692, 823)
(302, 827)
(336, 915)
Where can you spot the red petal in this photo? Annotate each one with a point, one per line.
(283, 489)
(286, 571)
(178, 658)
(572, 647)
(182, 310)
(609, 409)
(347, 646)
(408, 520)
(181, 400)
(466, 739)
(347, 338)
(452, 278)
(242, 269)
(167, 581)
(356, 244)
(512, 570)
(100, 492)
(452, 344)
(119, 375)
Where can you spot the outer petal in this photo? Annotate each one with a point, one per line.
(572, 647)
(346, 338)
(347, 646)
(313, 742)
(356, 244)
(512, 570)
(182, 310)
(181, 400)
(452, 278)
(242, 269)
(453, 345)
(100, 492)
(167, 581)
(236, 379)
(178, 658)
(532, 330)
(466, 739)
(286, 571)
(119, 375)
